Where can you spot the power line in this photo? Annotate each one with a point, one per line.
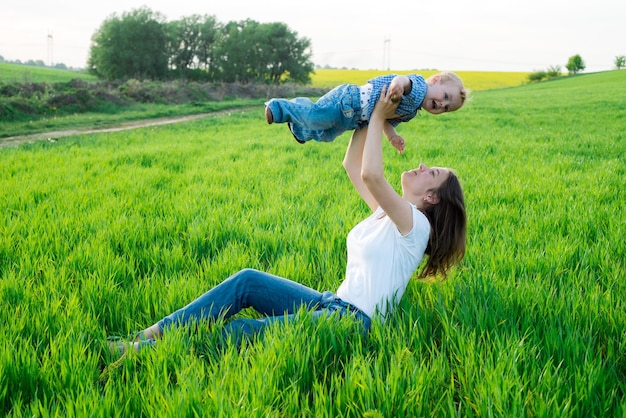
(387, 54)
(50, 45)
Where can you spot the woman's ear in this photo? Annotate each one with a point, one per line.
(431, 198)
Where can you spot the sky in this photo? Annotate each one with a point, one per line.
(454, 35)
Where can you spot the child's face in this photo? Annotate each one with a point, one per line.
(441, 97)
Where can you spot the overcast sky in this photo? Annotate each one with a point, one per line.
(461, 35)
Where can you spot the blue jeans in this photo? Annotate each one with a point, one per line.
(276, 298)
(337, 111)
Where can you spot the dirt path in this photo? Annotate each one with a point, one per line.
(50, 136)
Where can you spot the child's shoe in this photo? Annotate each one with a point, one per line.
(269, 118)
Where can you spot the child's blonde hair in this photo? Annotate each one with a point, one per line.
(450, 77)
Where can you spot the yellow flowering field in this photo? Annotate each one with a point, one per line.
(473, 80)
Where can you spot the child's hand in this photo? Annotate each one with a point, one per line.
(398, 87)
(398, 143)
(395, 92)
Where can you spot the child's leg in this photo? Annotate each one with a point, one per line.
(333, 114)
(302, 135)
(303, 112)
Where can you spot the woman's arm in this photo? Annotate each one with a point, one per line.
(352, 163)
(372, 171)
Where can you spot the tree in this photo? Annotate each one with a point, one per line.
(288, 58)
(236, 51)
(270, 52)
(140, 44)
(209, 39)
(130, 46)
(191, 43)
(575, 64)
(620, 62)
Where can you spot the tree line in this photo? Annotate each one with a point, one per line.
(575, 64)
(141, 44)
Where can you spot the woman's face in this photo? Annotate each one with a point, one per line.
(422, 180)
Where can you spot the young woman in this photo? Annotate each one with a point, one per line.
(384, 250)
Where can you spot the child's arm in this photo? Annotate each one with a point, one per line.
(396, 140)
(400, 85)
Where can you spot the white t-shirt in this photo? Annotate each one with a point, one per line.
(381, 261)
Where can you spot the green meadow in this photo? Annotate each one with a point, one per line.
(19, 73)
(104, 234)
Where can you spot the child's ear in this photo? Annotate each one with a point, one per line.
(434, 79)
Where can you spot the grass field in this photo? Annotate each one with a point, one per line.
(17, 73)
(103, 234)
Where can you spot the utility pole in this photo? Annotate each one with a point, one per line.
(387, 54)
(50, 48)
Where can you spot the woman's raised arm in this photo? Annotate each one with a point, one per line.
(372, 171)
(352, 163)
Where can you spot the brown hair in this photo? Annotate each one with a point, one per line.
(446, 244)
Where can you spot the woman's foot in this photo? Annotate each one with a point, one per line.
(151, 333)
(145, 338)
(120, 348)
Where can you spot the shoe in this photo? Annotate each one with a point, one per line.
(294, 135)
(269, 118)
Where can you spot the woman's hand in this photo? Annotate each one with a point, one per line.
(385, 107)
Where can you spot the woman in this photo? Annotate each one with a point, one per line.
(384, 250)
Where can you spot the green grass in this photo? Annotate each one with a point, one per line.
(17, 73)
(104, 234)
(118, 115)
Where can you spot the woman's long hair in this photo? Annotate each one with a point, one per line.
(446, 245)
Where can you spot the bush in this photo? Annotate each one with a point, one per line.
(537, 76)
(553, 71)
(19, 108)
(77, 96)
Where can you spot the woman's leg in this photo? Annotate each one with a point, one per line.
(267, 294)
